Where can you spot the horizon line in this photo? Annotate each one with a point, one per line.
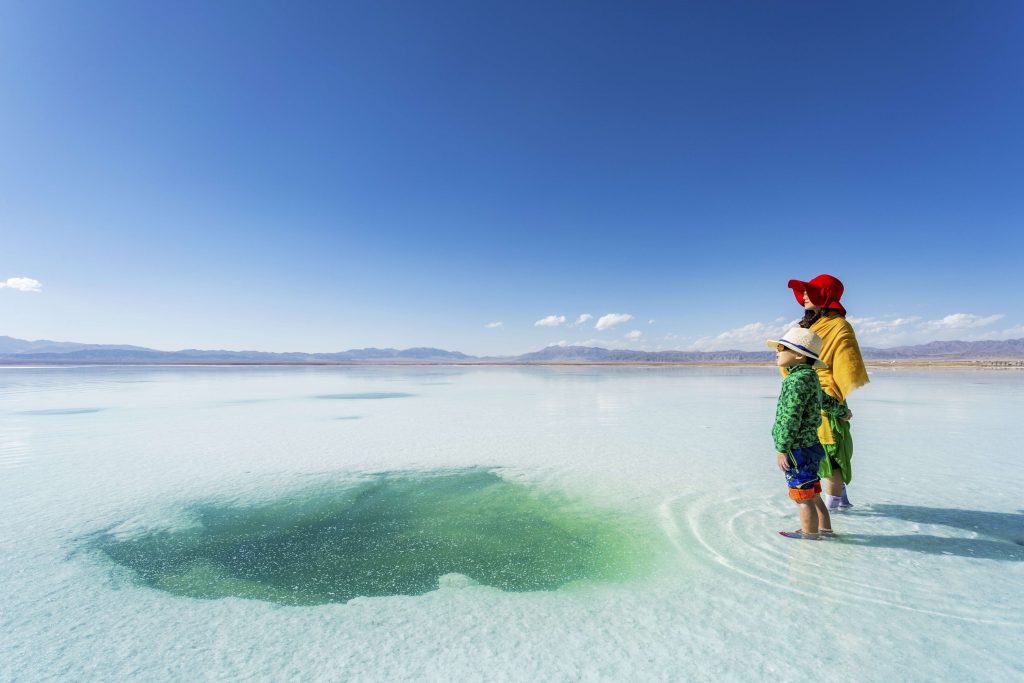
(135, 347)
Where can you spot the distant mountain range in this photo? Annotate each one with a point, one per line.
(941, 350)
(43, 351)
(20, 351)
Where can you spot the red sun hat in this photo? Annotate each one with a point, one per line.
(824, 291)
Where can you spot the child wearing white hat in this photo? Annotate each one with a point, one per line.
(795, 432)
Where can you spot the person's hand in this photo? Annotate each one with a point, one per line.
(782, 460)
(848, 416)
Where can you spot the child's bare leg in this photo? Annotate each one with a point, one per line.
(808, 516)
(824, 519)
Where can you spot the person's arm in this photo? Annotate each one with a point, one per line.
(834, 406)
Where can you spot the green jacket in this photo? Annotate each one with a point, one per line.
(798, 413)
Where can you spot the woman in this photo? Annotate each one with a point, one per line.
(826, 317)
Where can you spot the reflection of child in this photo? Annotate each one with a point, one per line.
(795, 431)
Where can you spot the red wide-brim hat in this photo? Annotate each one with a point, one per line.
(824, 291)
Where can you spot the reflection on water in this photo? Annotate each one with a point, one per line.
(60, 411)
(370, 395)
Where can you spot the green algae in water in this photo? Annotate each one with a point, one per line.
(395, 534)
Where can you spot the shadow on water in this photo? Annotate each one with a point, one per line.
(938, 545)
(389, 534)
(1002, 532)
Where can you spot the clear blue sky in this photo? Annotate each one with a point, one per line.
(323, 176)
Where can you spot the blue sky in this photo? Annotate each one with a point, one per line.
(319, 177)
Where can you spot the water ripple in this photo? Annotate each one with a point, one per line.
(903, 557)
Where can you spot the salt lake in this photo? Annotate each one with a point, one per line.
(498, 523)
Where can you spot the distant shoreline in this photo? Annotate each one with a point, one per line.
(1015, 363)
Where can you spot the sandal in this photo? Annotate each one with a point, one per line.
(800, 534)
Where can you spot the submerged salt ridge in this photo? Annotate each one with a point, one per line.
(922, 585)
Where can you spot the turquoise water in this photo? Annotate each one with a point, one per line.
(496, 523)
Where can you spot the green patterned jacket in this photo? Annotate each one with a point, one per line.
(799, 410)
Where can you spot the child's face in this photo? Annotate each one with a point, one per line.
(786, 357)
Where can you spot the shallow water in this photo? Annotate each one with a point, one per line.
(500, 523)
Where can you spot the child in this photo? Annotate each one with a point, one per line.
(795, 431)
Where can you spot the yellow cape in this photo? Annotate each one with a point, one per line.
(845, 372)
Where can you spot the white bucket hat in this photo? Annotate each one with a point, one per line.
(804, 342)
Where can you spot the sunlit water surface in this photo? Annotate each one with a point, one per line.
(497, 524)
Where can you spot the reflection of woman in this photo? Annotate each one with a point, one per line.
(826, 317)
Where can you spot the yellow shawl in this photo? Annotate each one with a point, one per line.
(845, 372)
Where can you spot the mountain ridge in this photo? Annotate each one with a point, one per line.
(14, 350)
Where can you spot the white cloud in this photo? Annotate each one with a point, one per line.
(1015, 332)
(907, 331)
(24, 284)
(881, 332)
(603, 343)
(963, 321)
(583, 318)
(611, 320)
(550, 321)
(883, 326)
(494, 325)
(749, 337)
(650, 322)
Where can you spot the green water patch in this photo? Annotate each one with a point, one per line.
(389, 534)
(372, 395)
(61, 411)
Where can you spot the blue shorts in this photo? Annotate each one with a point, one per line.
(802, 475)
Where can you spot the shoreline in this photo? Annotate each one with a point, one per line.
(1009, 364)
